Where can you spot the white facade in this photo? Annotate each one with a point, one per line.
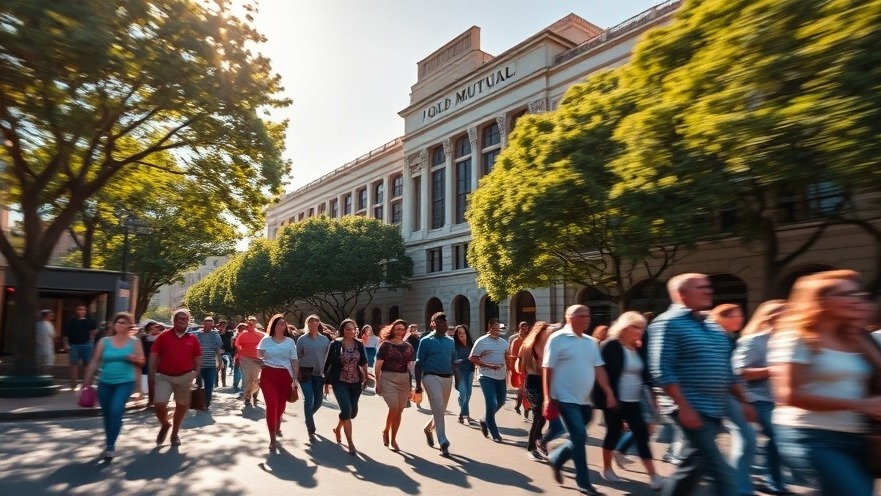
(461, 110)
(172, 296)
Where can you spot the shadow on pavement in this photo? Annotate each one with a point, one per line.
(328, 454)
(285, 466)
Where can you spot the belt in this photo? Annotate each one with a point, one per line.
(176, 375)
(439, 375)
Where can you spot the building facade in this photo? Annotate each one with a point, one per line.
(462, 108)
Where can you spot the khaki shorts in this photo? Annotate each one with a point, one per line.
(181, 385)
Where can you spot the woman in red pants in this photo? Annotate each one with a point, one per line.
(279, 355)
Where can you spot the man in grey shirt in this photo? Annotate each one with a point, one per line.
(311, 351)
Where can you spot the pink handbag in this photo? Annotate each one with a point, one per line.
(88, 397)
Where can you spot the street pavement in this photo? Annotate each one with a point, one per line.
(224, 452)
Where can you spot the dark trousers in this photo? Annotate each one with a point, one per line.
(347, 396)
(630, 412)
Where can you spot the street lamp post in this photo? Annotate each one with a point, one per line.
(131, 225)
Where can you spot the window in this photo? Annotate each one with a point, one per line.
(438, 199)
(460, 256)
(824, 198)
(311, 212)
(347, 204)
(398, 186)
(378, 191)
(490, 146)
(362, 198)
(377, 212)
(463, 177)
(397, 213)
(417, 203)
(334, 208)
(434, 260)
(302, 216)
(437, 156)
(322, 209)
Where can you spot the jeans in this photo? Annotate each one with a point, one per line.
(313, 395)
(236, 376)
(575, 418)
(700, 455)
(466, 385)
(764, 410)
(209, 376)
(371, 356)
(494, 391)
(836, 460)
(113, 398)
(743, 446)
(347, 395)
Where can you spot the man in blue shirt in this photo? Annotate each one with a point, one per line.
(435, 369)
(689, 358)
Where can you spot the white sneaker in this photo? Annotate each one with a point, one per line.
(657, 482)
(610, 476)
(621, 459)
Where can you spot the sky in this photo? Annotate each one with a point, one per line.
(348, 65)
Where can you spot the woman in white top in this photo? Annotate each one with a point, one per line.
(628, 377)
(820, 367)
(279, 355)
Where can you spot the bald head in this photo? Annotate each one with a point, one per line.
(692, 290)
(578, 318)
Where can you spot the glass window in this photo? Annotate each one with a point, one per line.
(489, 160)
(463, 188)
(438, 199)
(334, 209)
(398, 186)
(377, 212)
(347, 204)
(491, 135)
(437, 156)
(397, 213)
(463, 146)
(378, 191)
(460, 256)
(362, 198)
(434, 260)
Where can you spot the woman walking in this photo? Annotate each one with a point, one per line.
(393, 360)
(346, 372)
(371, 344)
(117, 356)
(312, 350)
(750, 361)
(279, 355)
(820, 368)
(528, 364)
(628, 377)
(466, 370)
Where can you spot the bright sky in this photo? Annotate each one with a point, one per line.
(348, 65)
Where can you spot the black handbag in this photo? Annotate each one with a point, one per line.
(197, 399)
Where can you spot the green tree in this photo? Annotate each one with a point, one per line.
(748, 109)
(562, 226)
(255, 286)
(336, 266)
(91, 90)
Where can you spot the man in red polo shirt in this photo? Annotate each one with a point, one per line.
(174, 359)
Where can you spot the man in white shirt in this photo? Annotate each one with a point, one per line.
(490, 354)
(572, 362)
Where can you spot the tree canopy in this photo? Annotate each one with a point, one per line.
(732, 120)
(333, 267)
(92, 91)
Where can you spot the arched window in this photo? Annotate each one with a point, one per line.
(461, 311)
(394, 313)
(490, 147)
(433, 306)
(524, 308)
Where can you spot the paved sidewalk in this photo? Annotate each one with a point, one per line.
(61, 405)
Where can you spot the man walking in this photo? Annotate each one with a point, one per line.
(689, 358)
(78, 337)
(174, 359)
(435, 369)
(212, 347)
(517, 380)
(490, 355)
(225, 357)
(246, 350)
(571, 364)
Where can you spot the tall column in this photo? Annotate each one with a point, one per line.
(407, 200)
(476, 157)
(502, 122)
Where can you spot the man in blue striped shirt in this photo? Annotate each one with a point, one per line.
(690, 358)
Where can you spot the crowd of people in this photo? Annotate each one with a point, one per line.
(803, 371)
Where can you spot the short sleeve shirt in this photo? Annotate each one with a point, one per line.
(175, 353)
(77, 331)
(573, 360)
(396, 357)
(279, 355)
(491, 351)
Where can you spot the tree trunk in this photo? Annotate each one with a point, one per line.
(24, 321)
